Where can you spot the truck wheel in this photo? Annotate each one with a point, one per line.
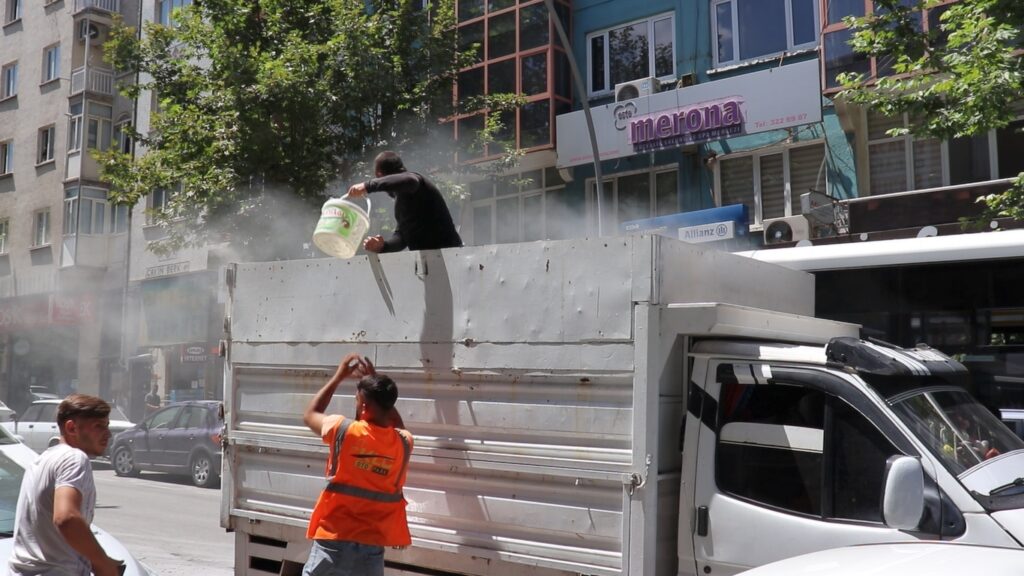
(124, 462)
(202, 471)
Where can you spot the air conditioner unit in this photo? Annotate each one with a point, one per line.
(636, 88)
(788, 229)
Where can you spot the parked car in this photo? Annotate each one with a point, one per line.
(41, 393)
(909, 558)
(37, 427)
(6, 414)
(15, 457)
(181, 438)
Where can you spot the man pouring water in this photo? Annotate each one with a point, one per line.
(424, 222)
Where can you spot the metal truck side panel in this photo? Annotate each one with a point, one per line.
(544, 383)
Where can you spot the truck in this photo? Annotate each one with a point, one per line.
(613, 406)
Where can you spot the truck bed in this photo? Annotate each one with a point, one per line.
(532, 376)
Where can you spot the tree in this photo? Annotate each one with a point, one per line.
(267, 96)
(959, 80)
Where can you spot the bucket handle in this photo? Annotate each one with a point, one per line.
(369, 206)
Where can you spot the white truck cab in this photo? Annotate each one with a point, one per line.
(798, 449)
(630, 406)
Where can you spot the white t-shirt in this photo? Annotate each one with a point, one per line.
(39, 548)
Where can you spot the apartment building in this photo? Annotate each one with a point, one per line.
(62, 243)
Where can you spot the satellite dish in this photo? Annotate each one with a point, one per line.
(927, 232)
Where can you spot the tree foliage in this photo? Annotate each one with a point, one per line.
(254, 96)
(962, 79)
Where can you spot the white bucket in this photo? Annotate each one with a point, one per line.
(341, 227)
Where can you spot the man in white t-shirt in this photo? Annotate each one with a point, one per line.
(52, 533)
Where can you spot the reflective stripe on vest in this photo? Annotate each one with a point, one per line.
(336, 451)
(348, 489)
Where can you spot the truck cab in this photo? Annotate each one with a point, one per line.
(794, 449)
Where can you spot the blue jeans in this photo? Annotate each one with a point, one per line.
(338, 558)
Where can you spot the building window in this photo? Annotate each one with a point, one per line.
(118, 218)
(630, 197)
(837, 54)
(513, 53)
(46, 140)
(51, 63)
(75, 127)
(636, 50)
(5, 228)
(122, 136)
(906, 162)
(517, 208)
(159, 199)
(752, 29)
(98, 134)
(9, 80)
(13, 11)
(165, 10)
(85, 210)
(6, 157)
(771, 181)
(41, 228)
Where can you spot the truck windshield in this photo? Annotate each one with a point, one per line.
(956, 428)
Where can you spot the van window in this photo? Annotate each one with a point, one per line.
(800, 450)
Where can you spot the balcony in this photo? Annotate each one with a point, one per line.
(92, 250)
(111, 6)
(97, 81)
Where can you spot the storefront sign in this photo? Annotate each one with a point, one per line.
(708, 232)
(699, 123)
(28, 312)
(779, 97)
(194, 353)
(168, 269)
(710, 225)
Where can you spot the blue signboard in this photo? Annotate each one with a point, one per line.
(711, 225)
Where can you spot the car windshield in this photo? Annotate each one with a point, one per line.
(11, 474)
(956, 428)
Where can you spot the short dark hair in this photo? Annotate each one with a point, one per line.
(78, 406)
(387, 162)
(379, 389)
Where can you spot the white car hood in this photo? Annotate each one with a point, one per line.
(931, 558)
(995, 472)
(111, 545)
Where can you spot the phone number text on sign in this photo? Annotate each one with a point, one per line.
(781, 120)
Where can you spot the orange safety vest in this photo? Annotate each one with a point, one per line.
(363, 500)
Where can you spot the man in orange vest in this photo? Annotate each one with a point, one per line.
(362, 509)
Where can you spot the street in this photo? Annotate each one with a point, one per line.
(168, 524)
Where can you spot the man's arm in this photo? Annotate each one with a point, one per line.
(394, 244)
(67, 517)
(313, 417)
(398, 184)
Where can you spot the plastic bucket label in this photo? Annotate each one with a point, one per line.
(337, 220)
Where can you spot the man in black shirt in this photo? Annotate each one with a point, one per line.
(424, 222)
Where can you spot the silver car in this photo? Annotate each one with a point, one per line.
(37, 427)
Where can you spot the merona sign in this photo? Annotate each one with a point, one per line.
(699, 123)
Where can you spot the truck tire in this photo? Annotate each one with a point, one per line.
(202, 471)
(124, 462)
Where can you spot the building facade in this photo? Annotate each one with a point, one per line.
(63, 243)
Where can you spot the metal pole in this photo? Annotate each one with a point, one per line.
(581, 89)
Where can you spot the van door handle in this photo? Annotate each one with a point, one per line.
(702, 521)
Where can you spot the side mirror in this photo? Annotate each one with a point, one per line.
(142, 425)
(903, 495)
